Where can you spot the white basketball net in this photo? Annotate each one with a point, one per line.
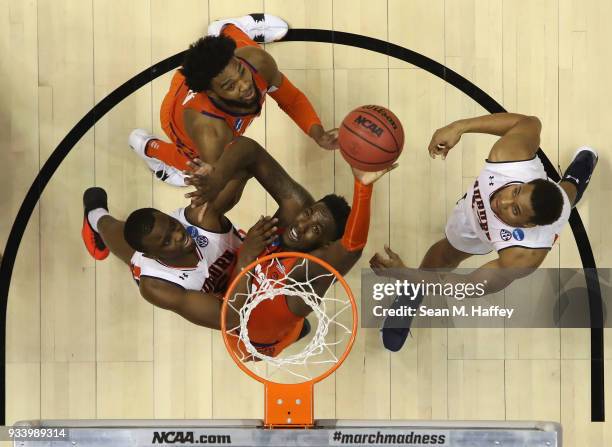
(326, 309)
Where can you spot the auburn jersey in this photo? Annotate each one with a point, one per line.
(489, 228)
(216, 253)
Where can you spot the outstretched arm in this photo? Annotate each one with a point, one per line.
(210, 135)
(345, 252)
(246, 155)
(291, 99)
(520, 135)
(513, 263)
(203, 309)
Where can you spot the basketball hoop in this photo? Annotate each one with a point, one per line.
(289, 376)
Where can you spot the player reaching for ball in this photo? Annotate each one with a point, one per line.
(175, 257)
(327, 229)
(216, 94)
(371, 139)
(511, 208)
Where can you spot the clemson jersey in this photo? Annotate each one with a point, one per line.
(489, 228)
(180, 97)
(216, 253)
(272, 325)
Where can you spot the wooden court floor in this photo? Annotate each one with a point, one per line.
(81, 343)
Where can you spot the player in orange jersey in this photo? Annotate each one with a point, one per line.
(217, 93)
(305, 225)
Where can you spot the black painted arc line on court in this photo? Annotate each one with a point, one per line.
(308, 35)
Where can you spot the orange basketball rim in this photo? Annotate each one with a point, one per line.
(291, 404)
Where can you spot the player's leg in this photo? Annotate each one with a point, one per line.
(578, 174)
(111, 231)
(443, 255)
(102, 233)
(458, 245)
(166, 160)
(250, 29)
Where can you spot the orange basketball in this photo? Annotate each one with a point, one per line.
(371, 138)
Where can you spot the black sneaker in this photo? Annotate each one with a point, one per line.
(580, 170)
(395, 330)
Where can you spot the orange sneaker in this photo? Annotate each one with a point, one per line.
(94, 198)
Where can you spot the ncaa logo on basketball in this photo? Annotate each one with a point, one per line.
(505, 235)
(202, 241)
(368, 124)
(518, 234)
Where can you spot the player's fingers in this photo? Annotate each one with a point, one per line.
(391, 168)
(196, 202)
(430, 149)
(376, 258)
(445, 152)
(263, 224)
(270, 238)
(269, 223)
(195, 164)
(391, 253)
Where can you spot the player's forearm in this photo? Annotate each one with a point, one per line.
(241, 155)
(358, 223)
(295, 104)
(494, 124)
(203, 309)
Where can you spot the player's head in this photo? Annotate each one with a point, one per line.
(210, 66)
(156, 234)
(538, 202)
(317, 225)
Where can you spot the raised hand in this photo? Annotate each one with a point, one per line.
(443, 140)
(366, 177)
(262, 234)
(202, 176)
(379, 263)
(326, 139)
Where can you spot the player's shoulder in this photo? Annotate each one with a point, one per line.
(208, 120)
(520, 257)
(516, 170)
(260, 60)
(529, 238)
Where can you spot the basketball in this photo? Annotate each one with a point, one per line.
(371, 138)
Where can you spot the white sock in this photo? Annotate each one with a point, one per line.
(94, 217)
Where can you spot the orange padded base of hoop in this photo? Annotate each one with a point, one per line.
(288, 405)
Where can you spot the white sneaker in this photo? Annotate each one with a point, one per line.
(138, 142)
(262, 28)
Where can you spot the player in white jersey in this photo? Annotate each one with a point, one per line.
(511, 208)
(181, 262)
(216, 253)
